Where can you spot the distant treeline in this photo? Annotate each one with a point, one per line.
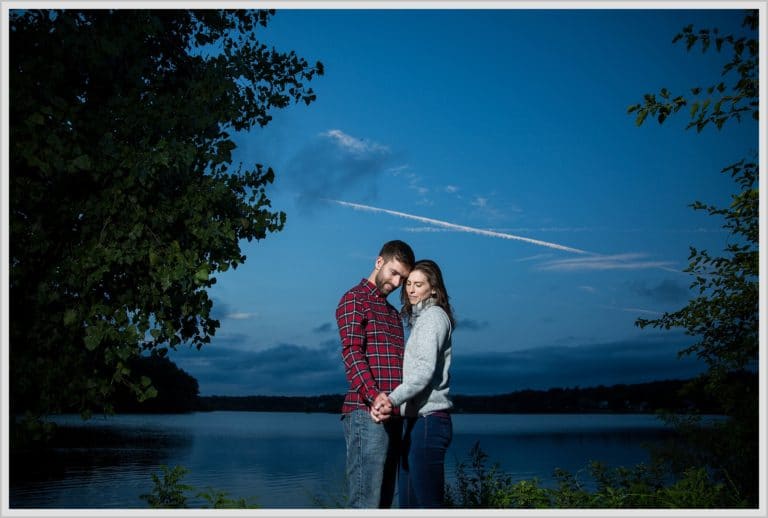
(673, 395)
(327, 403)
(177, 391)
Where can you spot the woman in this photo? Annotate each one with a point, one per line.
(423, 395)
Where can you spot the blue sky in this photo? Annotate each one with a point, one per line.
(502, 122)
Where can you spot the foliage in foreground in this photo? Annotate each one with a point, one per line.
(125, 200)
(169, 492)
(642, 486)
(477, 486)
(724, 315)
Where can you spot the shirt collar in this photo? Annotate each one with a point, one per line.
(372, 289)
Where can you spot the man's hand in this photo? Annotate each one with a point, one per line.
(381, 409)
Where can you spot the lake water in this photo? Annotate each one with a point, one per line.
(293, 460)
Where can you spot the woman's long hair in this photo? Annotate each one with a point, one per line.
(435, 278)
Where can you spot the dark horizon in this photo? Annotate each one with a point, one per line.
(649, 397)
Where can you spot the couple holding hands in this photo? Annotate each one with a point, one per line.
(397, 424)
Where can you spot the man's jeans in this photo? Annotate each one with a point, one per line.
(373, 452)
(422, 467)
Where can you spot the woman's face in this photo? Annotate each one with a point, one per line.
(417, 287)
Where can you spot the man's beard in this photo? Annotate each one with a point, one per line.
(384, 287)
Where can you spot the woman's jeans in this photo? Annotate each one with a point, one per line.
(421, 483)
(373, 451)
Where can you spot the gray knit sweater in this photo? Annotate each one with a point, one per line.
(426, 363)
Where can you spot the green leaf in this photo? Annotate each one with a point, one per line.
(82, 162)
(150, 393)
(36, 119)
(70, 316)
(92, 341)
(694, 109)
(202, 274)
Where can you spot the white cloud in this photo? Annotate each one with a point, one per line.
(533, 258)
(413, 182)
(425, 229)
(335, 164)
(488, 207)
(634, 310)
(632, 261)
(564, 230)
(395, 171)
(643, 311)
(352, 144)
(240, 316)
(459, 228)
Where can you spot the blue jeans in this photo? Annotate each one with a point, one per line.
(426, 439)
(373, 452)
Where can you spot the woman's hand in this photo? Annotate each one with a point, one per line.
(381, 409)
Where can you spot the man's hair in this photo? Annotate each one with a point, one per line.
(398, 250)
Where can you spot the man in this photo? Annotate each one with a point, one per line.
(372, 347)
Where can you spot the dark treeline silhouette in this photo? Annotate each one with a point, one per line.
(330, 403)
(177, 391)
(671, 395)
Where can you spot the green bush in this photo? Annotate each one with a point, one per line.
(642, 486)
(170, 493)
(477, 486)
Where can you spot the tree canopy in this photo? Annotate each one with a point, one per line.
(724, 315)
(719, 102)
(177, 391)
(124, 199)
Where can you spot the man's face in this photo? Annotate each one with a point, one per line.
(391, 275)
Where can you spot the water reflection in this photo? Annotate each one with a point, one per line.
(289, 460)
(87, 460)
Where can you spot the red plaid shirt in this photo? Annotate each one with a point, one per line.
(372, 345)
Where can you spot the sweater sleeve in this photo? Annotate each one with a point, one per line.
(428, 335)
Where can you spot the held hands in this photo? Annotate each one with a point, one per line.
(381, 409)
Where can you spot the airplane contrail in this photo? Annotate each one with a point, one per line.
(460, 228)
